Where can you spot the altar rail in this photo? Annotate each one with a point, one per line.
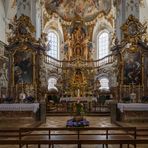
(77, 136)
(68, 64)
(64, 107)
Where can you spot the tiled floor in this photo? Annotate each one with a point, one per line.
(60, 121)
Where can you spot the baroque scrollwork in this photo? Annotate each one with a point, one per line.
(133, 30)
(21, 30)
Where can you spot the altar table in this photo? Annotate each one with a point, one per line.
(132, 111)
(20, 107)
(132, 107)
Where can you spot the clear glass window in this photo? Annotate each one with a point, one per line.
(53, 43)
(103, 41)
(104, 82)
(51, 83)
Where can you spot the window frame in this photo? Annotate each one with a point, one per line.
(57, 36)
(104, 88)
(54, 87)
(98, 43)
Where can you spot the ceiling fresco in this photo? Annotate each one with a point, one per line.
(84, 9)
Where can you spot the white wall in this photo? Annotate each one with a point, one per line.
(7, 13)
(144, 11)
(2, 22)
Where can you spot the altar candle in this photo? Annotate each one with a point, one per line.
(16, 88)
(78, 92)
(139, 93)
(143, 89)
(22, 86)
(124, 91)
(120, 91)
(129, 89)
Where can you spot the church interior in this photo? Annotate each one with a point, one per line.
(73, 74)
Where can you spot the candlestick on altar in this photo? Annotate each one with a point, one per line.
(124, 88)
(129, 89)
(143, 90)
(120, 91)
(16, 89)
(139, 93)
(133, 87)
(22, 86)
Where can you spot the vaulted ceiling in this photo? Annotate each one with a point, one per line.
(84, 9)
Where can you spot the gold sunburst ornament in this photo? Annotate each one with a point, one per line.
(133, 30)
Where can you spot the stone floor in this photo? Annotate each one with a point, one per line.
(17, 123)
(95, 121)
(60, 121)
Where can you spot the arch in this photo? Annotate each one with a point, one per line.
(102, 44)
(101, 25)
(54, 26)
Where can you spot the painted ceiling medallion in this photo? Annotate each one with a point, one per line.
(86, 9)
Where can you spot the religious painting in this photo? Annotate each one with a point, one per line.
(132, 68)
(23, 67)
(86, 9)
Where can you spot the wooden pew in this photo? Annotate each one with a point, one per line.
(76, 136)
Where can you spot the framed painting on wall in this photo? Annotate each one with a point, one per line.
(132, 68)
(23, 67)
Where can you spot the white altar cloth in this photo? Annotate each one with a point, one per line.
(20, 107)
(132, 107)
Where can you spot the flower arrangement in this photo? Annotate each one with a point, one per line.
(79, 108)
(77, 120)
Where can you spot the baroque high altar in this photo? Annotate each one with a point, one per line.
(77, 77)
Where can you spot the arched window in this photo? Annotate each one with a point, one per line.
(103, 44)
(51, 83)
(104, 82)
(53, 44)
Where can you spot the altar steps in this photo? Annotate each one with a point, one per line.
(16, 123)
(86, 114)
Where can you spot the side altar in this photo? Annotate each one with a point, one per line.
(131, 69)
(131, 66)
(25, 54)
(20, 110)
(25, 57)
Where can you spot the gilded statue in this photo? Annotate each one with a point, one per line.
(78, 76)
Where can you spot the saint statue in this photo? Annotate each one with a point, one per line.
(78, 76)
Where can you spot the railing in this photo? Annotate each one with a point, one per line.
(142, 132)
(67, 108)
(78, 136)
(88, 64)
